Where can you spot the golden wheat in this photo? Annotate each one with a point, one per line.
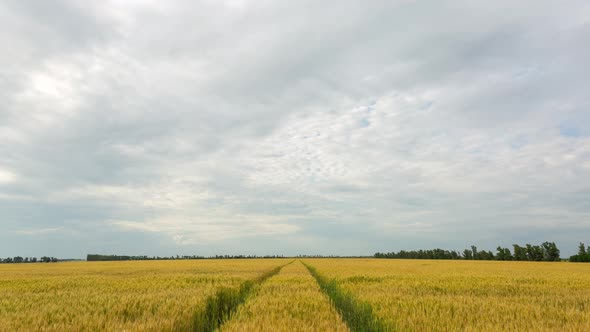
(406, 295)
(114, 296)
(289, 301)
(426, 295)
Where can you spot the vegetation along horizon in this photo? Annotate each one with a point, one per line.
(430, 290)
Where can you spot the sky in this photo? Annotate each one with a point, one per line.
(292, 127)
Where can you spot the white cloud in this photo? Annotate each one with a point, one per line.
(7, 176)
(207, 121)
(203, 230)
(40, 231)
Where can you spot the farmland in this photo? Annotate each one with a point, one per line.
(132, 296)
(295, 294)
(289, 301)
(435, 295)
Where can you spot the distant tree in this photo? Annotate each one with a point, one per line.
(550, 251)
(547, 251)
(534, 253)
(519, 253)
(503, 254)
(583, 254)
(467, 254)
(530, 253)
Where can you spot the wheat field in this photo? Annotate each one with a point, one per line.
(434, 295)
(289, 301)
(285, 295)
(115, 296)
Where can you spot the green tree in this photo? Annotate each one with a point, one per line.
(550, 252)
(503, 254)
(519, 253)
(583, 254)
(474, 252)
(467, 254)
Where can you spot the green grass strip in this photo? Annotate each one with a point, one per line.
(225, 302)
(356, 314)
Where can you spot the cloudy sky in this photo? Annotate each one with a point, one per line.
(292, 127)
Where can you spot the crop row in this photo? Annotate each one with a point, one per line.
(116, 296)
(268, 295)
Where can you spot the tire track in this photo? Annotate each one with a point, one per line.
(358, 315)
(220, 306)
(289, 301)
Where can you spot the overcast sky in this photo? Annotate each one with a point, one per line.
(292, 127)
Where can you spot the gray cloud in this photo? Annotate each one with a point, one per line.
(266, 127)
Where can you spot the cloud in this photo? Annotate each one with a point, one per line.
(6, 176)
(199, 231)
(39, 231)
(342, 128)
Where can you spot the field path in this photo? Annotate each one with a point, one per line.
(358, 315)
(223, 304)
(288, 301)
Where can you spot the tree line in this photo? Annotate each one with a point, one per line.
(583, 254)
(19, 259)
(104, 258)
(547, 252)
